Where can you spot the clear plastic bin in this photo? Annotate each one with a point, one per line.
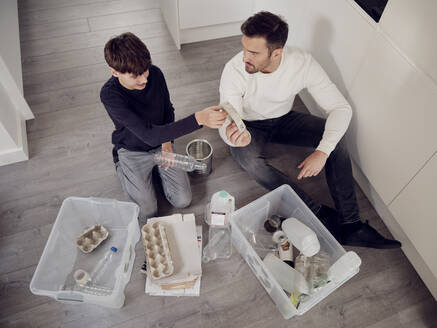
(249, 220)
(61, 257)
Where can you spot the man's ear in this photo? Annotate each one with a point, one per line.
(277, 52)
(113, 72)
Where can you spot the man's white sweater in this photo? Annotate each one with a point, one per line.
(261, 96)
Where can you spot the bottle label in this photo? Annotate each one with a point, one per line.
(218, 218)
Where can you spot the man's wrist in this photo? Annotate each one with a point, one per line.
(322, 153)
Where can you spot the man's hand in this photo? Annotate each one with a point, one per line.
(167, 147)
(312, 165)
(213, 117)
(237, 138)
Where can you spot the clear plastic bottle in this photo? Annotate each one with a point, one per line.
(314, 269)
(178, 161)
(102, 265)
(219, 244)
(301, 236)
(288, 278)
(218, 216)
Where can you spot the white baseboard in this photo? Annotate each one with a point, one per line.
(19, 153)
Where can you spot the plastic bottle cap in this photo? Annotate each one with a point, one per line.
(223, 194)
(114, 249)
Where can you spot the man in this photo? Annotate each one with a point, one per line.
(137, 100)
(261, 82)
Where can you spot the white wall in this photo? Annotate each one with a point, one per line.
(388, 72)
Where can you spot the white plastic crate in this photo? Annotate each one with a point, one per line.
(61, 257)
(283, 201)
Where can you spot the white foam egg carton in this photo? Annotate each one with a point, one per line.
(91, 238)
(159, 261)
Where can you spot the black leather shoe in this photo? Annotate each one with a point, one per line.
(366, 236)
(330, 219)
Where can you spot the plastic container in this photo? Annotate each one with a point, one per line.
(218, 214)
(61, 259)
(178, 161)
(220, 209)
(283, 201)
(302, 237)
(219, 244)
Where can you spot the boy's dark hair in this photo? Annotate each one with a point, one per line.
(269, 26)
(127, 53)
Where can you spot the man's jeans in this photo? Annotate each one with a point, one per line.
(303, 130)
(134, 170)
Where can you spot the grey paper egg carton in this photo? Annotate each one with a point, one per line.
(91, 238)
(159, 261)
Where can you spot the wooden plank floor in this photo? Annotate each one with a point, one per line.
(69, 142)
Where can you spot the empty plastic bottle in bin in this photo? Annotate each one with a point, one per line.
(178, 161)
(302, 237)
(314, 269)
(103, 265)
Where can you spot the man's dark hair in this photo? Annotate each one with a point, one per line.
(269, 26)
(127, 53)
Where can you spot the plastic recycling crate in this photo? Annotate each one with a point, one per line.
(61, 258)
(283, 201)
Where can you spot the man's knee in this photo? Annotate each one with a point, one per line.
(251, 163)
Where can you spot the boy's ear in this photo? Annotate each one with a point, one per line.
(113, 72)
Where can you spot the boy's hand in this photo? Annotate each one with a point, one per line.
(166, 146)
(212, 117)
(237, 138)
(312, 165)
(168, 162)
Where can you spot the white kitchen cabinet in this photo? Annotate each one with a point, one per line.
(392, 132)
(196, 20)
(14, 110)
(412, 26)
(415, 211)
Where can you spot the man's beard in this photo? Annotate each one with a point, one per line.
(252, 69)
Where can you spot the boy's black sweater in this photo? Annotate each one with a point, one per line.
(143, 119)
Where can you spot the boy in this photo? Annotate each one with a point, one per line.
(136, 98)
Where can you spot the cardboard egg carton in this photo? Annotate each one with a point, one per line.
(185, 253)
(159, 261)
(91, 238)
